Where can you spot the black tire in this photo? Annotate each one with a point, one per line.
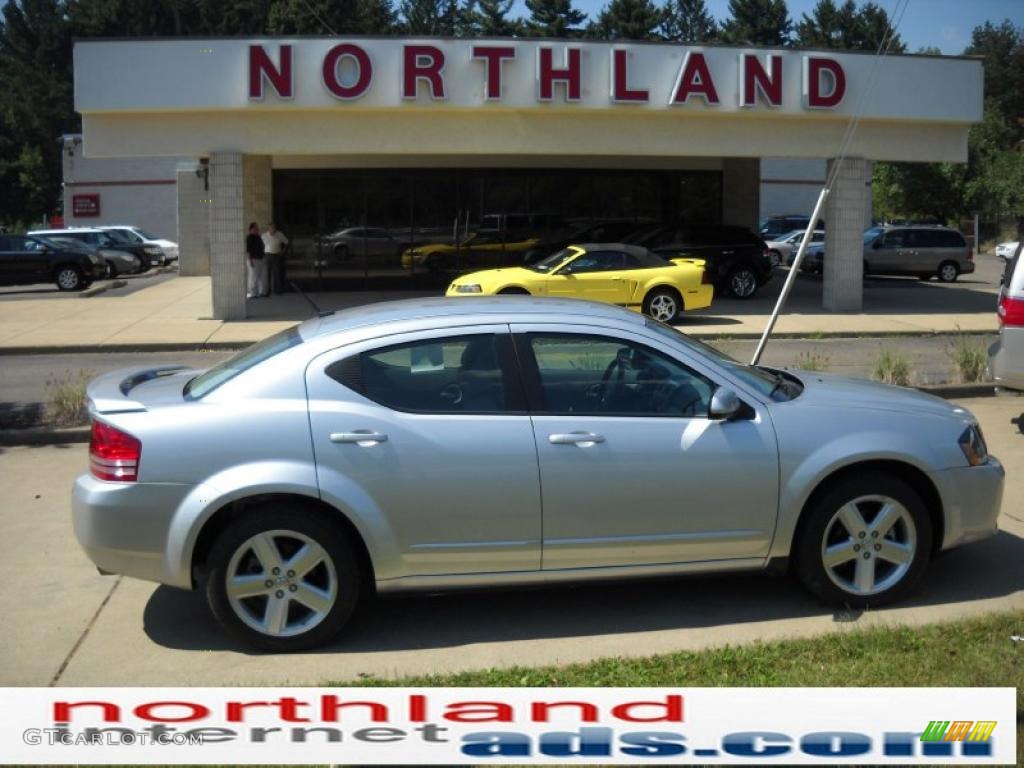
(111, 270)
(513, 292)
(948, 272)
(287, 517)
(820, 520)
(659, 304)
(741, 282)
(69, 278)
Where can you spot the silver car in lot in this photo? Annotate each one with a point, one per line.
(434, 444)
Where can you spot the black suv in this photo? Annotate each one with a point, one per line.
(97, 238)
(736, 259)
(611, 231)
(26, 260)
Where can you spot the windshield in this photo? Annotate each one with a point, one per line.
(144, 235)
(205, 383)
(766, 381)
(119, 236)
(554, 260)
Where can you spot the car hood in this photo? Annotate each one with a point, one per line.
(825, 389)
(501, 273)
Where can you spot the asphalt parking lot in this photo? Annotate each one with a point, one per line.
(65, 624)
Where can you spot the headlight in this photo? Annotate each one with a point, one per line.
(152, 250)
(972, 443)
(469, 288)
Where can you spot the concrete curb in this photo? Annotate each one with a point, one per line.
(65, 435)
(44, 436)
(96, 290)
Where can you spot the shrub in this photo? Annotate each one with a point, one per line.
(970, 359)
(66, 398)
(813, 361)
(892, 367)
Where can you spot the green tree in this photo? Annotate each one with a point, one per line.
(325, 17)
(757, 22)
(688, 21)
(437, 17)
(490, 19)
(1001, 47)
(628, 20)
(554, 18)
(847, 27)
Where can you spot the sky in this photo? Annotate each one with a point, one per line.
(944, 24)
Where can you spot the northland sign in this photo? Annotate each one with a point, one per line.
(347, 73)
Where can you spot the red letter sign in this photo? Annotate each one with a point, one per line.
(260, 67)
(547, 75)
(493, 55)
(364, 71)
(754, 78)
(620, 80)
(814, 83)
(426, 62)
(694, 79)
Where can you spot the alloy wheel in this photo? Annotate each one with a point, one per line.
(281, 583)
(68, 279)
(948, 273)
(663, 307)
(869, 545)
(742, 283)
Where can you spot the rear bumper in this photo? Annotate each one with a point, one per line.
(124, 527)
(699, 297)
(972, 497)
(1006, 359)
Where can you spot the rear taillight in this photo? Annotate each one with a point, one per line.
(113, 454)
(970, 254)
(1011, 312)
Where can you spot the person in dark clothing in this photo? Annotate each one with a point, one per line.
(256, 263)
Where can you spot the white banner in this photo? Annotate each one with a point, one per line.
(520, 726)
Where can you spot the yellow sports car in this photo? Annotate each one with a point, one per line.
(479, 249)
(619, 274)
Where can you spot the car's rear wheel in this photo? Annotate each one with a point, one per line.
(663, 304)
(865, 542)
(513, 292)
(776, 257)
(282, 578)
(742, 282)
(948, 272)
(69, 279)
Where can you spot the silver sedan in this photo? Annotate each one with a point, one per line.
(435, 444)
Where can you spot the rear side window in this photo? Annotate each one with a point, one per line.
(205, 383)
(460, 374)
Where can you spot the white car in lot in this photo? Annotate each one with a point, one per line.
(1006, 356)
(1006, 250)
(130, 234)
(785, 246)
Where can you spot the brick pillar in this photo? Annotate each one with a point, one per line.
(227, 236)
(843, 289)
(741, 191)
(193, 223)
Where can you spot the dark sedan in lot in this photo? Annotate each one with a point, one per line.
(26, 260)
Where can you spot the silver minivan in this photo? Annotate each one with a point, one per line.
(1006, 356)
(924, 251)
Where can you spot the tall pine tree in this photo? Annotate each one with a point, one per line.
(688, 21)
(628, 20)
(490, 19)
(757, 22)
(846, 27)
(554, 18)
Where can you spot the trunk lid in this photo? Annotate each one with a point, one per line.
(138, 389)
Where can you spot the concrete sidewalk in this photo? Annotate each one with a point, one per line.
(65, 624)
(176, 313)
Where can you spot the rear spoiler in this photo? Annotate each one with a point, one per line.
(681, 260)
(109, 393)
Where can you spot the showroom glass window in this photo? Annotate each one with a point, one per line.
(590, 375)
(460, 374)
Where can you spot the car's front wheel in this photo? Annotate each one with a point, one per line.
(282, 578)
(663, 304)
(69, 279)
(865, 542)
(742, 282)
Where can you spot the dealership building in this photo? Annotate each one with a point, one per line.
(420, 140)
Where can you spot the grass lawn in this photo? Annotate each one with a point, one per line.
(972, 652)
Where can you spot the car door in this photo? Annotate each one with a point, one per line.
(427, 434)
(888, 252)
(594, 275)
(35, 258)
(633, 471)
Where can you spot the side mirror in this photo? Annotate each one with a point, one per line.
(725, 404)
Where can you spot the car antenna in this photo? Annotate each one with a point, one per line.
(319, 312)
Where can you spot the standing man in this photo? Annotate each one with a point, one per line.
(257, 265)
(275, 244)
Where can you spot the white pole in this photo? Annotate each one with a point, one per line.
(791, 278)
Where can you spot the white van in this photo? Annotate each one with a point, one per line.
(1006, 356)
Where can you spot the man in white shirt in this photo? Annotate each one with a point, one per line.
(275, 244)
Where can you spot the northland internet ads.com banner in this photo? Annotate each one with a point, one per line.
(519, 726)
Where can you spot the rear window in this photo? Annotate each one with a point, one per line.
(205, 383)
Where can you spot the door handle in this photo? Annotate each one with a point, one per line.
(361, 437)
(584, 439)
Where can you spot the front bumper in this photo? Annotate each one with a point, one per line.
(124, 527)
(972, 497)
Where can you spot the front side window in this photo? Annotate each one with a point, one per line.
(460, 374)
(596, 261)
(894, 239)
(601, 376)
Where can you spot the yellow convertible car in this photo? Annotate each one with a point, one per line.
(618, 274)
